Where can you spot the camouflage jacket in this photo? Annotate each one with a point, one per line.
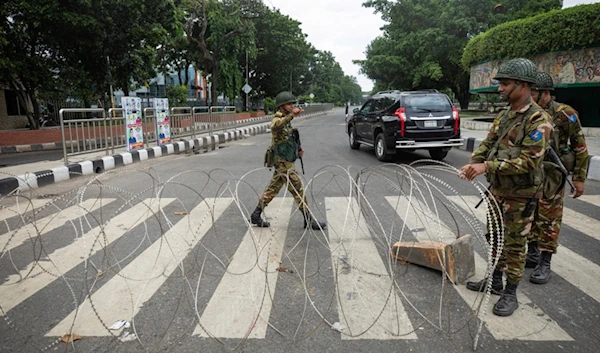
(282, 141)
(514, 152)
(568, 136)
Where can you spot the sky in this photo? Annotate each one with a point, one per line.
(344, 27)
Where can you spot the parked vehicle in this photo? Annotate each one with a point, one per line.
(392, 121)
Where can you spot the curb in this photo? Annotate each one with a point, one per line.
(38, 179)
(471, 144)
(73, 144)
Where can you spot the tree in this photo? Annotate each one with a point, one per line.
(63, 45)
(281, 52)
(423, 41)
(219, 28)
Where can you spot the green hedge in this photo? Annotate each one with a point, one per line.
(575, 27)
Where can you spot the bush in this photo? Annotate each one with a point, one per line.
(177, 96)
(567, 29)
(269, 104)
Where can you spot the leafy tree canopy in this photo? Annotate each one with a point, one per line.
(423, 40)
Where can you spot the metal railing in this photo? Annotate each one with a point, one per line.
(86, 130)
(85, 134)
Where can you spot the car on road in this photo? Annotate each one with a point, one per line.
(394, 121)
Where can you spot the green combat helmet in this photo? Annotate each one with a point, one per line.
(285, 98)
(544, 82)
(518, 69)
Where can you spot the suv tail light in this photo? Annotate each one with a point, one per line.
(456, 119)
(401, 114)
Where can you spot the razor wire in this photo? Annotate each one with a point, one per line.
(309, 259)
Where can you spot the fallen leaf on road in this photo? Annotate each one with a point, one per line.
(283, 269)
(68, 338)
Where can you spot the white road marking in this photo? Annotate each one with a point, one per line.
(29, 231)
(30, 280)
(368, 304)
(123, 296)
(241, 305)
(529, 322)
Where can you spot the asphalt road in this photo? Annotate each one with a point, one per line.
(302, 283)
(10, 159)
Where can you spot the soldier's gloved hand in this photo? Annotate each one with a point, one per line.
(301, 152)
(579, 188)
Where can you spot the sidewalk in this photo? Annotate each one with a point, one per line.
(474, 137)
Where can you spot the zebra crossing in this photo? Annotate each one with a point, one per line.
(370, 304)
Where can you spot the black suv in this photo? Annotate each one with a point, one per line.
(393, 120)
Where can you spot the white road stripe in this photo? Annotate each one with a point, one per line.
(591, 199)
(585, 224)
(573, 268)
(529, 322)
(123, 296)
(241, 304)
(25, 232)
(23, 205)
(362, 279)
(14, 291)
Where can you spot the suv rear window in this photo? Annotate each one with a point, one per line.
(427, 103)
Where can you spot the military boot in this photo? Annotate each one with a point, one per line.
(257, 220)
(533, 255)
(481, 286)
(508, 303)
(314, 224)
(541, 274)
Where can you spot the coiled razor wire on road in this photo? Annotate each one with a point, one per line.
(306, 261)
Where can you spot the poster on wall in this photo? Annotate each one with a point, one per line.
(163, 125)
(132, 111)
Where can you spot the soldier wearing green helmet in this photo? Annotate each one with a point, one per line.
(569, 144)
(511, 157)
(286, 152)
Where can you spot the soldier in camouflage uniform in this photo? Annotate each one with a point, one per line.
(511, 156)
(569, 144)
(286, 152)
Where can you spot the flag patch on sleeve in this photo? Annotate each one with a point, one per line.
(572, 118)
(535, 135)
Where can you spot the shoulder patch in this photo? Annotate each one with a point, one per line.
(572, 118)
(535, 135)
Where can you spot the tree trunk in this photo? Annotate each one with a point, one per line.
(187, 75)
(179, 75)
(214, 82)
(462, 92)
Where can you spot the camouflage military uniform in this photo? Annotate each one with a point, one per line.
(569, 143)
(285, 155)
(514, 150)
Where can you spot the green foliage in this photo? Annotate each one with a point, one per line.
(570, 28)
(177, 96)
(62, 46)
(269, 103)
(423, 42)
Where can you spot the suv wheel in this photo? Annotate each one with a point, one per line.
(380, 148)
(438, 154)
(352, 138)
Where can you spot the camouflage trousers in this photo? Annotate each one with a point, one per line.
(547, 221)
(285, 174)
(516, 232)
